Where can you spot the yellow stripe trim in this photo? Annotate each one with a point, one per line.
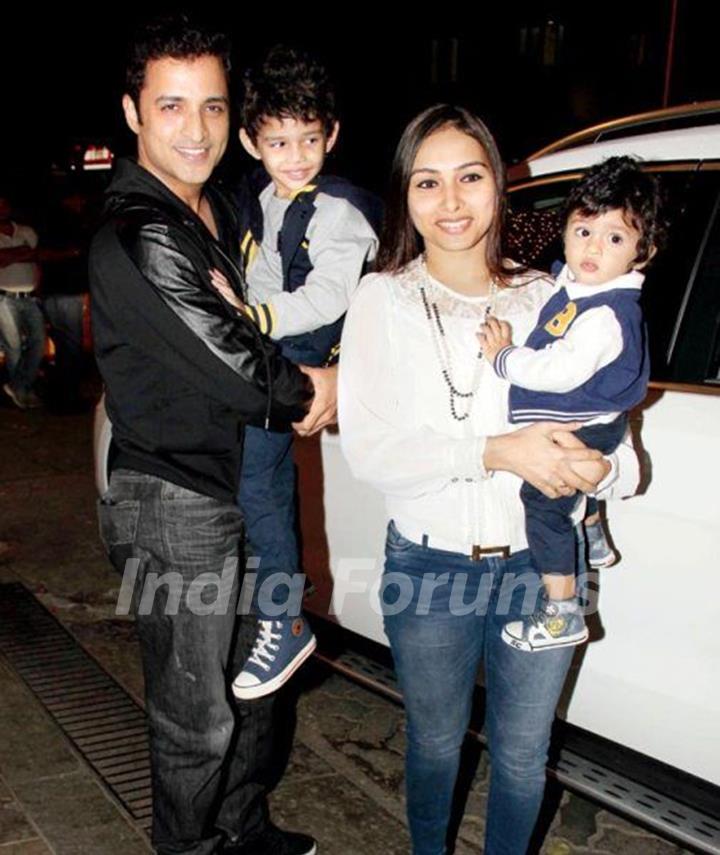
(308, 188)
(245, 241)
(251, 254)
(267, 317)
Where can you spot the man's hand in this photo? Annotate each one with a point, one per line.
(323, 411)
(493, 336)
(551, 459)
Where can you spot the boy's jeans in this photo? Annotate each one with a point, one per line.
(438, 643)
(22, 337)
(209, 755)
(548, 522)
(266, 497)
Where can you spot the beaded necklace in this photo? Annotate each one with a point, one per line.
(444, 357)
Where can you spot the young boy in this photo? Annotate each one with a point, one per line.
(306, 239)
(586, 361)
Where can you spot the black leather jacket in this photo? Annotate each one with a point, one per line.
(183, 371)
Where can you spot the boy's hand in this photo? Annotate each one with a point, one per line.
(222, 286)
(493, 336)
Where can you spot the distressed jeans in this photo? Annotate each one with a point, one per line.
(439, 639)
(209, 754)
(22, 337)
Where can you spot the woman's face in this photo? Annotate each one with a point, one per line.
(451, 196)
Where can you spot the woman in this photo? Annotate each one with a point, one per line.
(424, 418)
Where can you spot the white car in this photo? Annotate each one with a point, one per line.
(641, 718)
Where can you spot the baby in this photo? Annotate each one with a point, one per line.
(585, 361)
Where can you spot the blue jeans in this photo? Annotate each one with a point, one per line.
(266, 497)
(209, 754)
(438, 645)
(65, 316)
(22, 337)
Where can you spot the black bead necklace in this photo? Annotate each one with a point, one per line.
(442, 351)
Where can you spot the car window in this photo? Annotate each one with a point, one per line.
(679, 300)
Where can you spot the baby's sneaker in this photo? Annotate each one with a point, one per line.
(281, 647)
(599, 552)
(556, 623)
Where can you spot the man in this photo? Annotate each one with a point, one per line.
(22, 326)
(183, 372)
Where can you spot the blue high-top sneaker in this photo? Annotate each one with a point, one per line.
(281, 647)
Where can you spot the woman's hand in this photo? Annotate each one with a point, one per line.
(552, 459)
(222, 286)
(493, 336)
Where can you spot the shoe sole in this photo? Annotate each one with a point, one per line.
(602, 563)
(526, 647)
(249, 693)
(10, 392)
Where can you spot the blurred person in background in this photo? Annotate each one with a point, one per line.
(22, 326)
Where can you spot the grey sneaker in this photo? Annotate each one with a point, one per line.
(599, 552)
(25, 400)
(551, 626)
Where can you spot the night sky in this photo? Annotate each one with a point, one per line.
(62, 71)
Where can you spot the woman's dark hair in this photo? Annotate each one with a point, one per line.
(174, 36)
(288, 84)
(400, 242)
(619, 183)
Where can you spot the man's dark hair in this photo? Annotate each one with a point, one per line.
(619, 183)
(287, 84)
(174, 36)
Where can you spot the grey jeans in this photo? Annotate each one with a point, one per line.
(209, 753)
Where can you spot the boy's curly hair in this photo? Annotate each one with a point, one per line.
(288, 84)
(620, 183)
(175, 36)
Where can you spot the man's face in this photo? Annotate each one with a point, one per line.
(182, 121)
(291, 150)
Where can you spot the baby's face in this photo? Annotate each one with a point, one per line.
(600, 248)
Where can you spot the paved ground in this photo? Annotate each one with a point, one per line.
(345, 776)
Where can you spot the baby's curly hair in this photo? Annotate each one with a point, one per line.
(619, 183)
(287, 84)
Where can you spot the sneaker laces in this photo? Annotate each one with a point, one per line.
(265, 647)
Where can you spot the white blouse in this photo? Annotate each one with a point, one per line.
(396, 426)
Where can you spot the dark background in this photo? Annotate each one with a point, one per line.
(534, 71)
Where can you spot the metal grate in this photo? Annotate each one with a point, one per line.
(659, 812)
(106, 725)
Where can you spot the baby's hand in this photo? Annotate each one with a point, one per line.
(493, 336)
(222, 286)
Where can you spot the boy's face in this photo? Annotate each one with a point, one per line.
(600, 248)
(291, 150)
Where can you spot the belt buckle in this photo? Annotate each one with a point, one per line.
(479, 552)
